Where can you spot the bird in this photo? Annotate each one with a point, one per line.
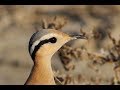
(42, 46)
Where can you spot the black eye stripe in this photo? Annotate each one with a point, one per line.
(52, 40)
(37, 47)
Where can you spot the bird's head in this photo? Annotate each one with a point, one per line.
(46, 42)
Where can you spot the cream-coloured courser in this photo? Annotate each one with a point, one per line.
(42, 45)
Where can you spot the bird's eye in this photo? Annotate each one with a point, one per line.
(53, 40)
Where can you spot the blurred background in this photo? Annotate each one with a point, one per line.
(95, 61)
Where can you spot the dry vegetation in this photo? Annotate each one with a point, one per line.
(84, 62)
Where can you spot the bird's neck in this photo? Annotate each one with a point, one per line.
(41, 73)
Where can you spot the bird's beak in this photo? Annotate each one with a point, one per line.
(82, 36)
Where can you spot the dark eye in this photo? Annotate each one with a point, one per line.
(53, 40)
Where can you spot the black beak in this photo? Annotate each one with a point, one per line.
(82, 36)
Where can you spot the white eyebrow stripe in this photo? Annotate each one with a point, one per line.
(39, 40)
(33, 46)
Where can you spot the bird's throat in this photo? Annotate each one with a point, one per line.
(41, 73)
